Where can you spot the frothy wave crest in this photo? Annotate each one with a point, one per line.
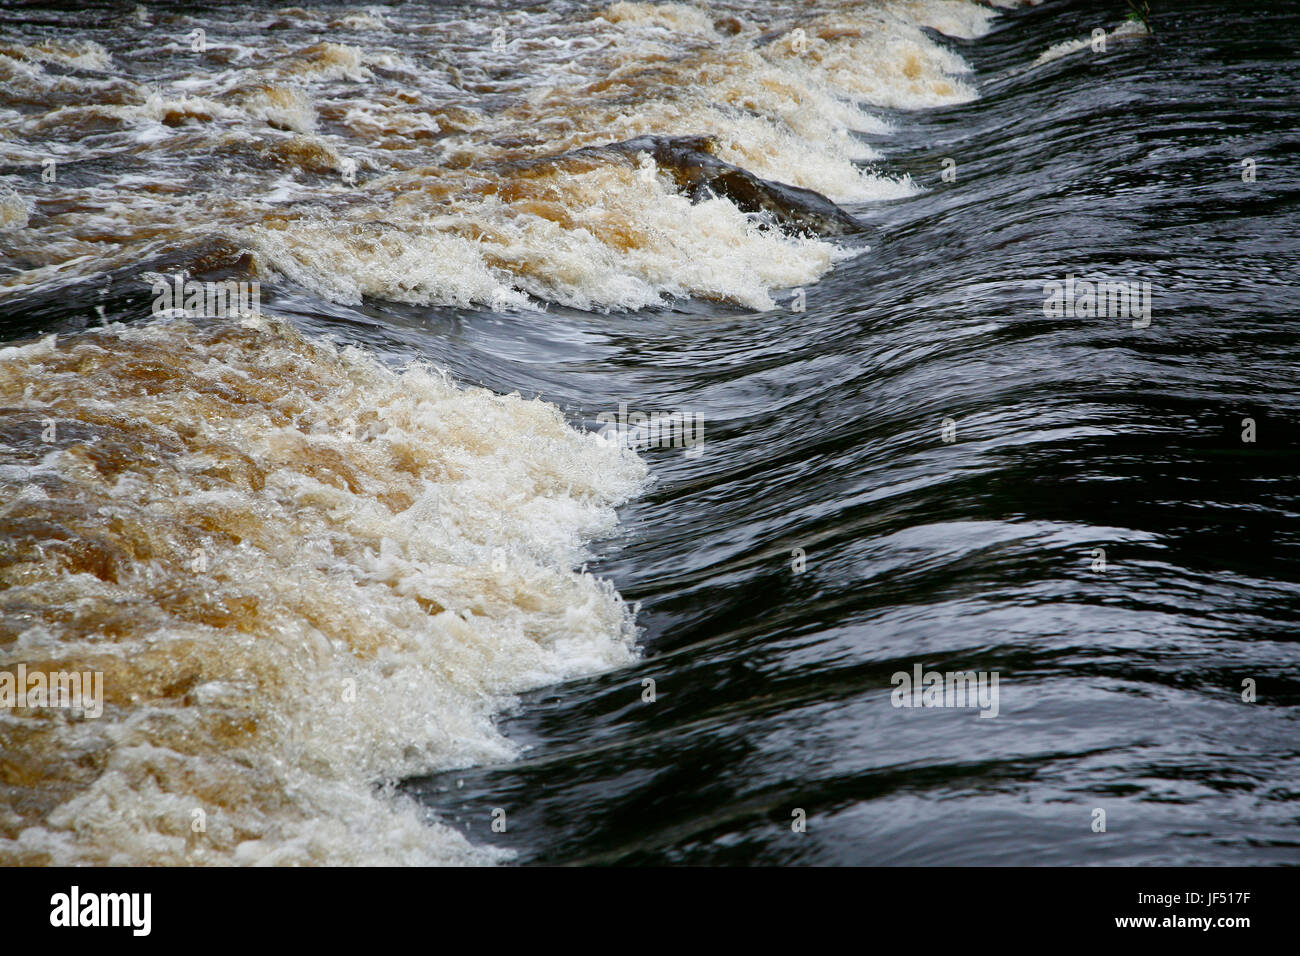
(301, 573)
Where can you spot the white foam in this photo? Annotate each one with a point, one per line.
(408, 540)
(626, 242)
(15, 210)
(1129, 28)
(419, 224)
(78, 54)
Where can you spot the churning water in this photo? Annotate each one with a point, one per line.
(973, 333)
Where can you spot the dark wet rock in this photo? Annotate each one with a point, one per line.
(699, 174)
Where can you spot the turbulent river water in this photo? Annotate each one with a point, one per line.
(372, 574)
